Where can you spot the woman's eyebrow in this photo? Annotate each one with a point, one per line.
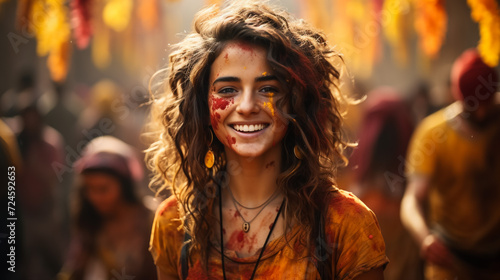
(226, 79)
(236, 79)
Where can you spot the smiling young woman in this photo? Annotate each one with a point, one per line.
(249, 139)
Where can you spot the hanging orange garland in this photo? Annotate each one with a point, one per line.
(486, 13)
(147, 12)
(430, 24)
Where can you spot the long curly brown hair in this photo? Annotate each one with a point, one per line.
(309, 69)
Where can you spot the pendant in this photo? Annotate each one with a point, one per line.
(246, 227)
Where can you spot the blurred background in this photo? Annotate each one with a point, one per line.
(72, 71)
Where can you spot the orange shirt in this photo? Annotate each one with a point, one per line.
(352, 233)
(464, 194)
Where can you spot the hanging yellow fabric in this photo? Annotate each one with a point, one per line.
(50, 24)
(48, 20)
(430, 24)
(365, 35)
(100, 47)
(116, 14)
(486, 13)
(396, 27)
(58, 61)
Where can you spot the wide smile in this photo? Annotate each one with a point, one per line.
(249, 128)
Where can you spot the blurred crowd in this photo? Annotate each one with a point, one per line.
(429, 171)
(83, 207)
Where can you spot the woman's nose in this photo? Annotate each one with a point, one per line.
(247, 103)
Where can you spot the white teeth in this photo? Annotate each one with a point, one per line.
(249, 128)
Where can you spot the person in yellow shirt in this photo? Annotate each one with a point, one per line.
(451, 205)
(250, 134)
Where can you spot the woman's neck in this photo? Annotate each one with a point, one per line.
(253, 180)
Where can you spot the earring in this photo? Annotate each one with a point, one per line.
(297, 153)
(209, 156)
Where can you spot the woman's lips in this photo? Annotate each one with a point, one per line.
(249, 128)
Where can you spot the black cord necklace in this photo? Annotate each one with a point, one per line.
(222, 238)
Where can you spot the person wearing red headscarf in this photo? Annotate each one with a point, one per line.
(451, 205)
(111, 224)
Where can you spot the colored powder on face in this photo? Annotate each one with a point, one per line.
(214, 120)
(245, 47)
(226, 57)
(269, 105)
(218, 103)
(230, 140)
(236, 214)
(264, 74)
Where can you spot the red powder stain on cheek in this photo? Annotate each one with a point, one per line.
(230, 140)
(226, 57)
(218, 103)
(214, 120)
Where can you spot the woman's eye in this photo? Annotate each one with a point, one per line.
(227, 90)
(269, 90)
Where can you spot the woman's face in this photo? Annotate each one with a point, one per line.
(103, 191)
(242, 101)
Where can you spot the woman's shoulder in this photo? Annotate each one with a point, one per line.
(168, 207)
(167, 214)
(354, 236)
(343, 206)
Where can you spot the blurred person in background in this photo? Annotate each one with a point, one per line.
(38, 187)
(421, 103)
(10, 164)
(379, 181)
(451, 205)
(63, 116)
(111, 225)
(104, 114)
